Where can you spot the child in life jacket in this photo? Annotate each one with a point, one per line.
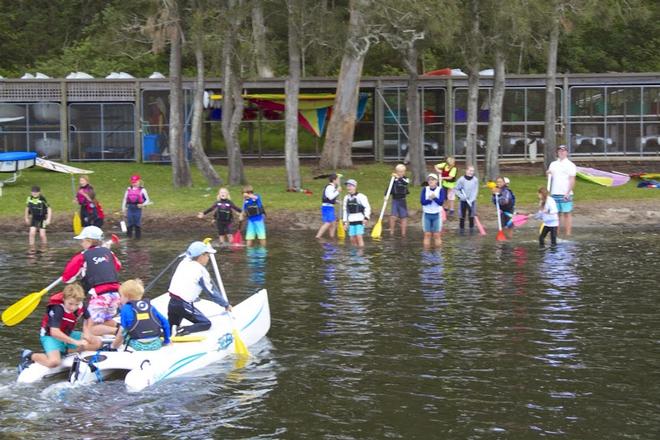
(447, 172)
(549, 213)
(37, 215)
(57, 334)
(503, 195)
(356, 213)
(399, 192)
(91, 212)
(98, 268)
(467, 189)
(141, 324)
(431, 198)
(223, 208)
(253, 208)
(328, 201)
(135, 198)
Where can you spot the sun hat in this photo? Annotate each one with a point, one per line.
(90, 232)
(198, 248)
(432, 176)
(351, 182)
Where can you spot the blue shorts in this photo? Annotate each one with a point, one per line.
(354, 230)
(399, 208)
(49, 343)
(255, 229)
(563, 206)
(432, 222)
(328, 214)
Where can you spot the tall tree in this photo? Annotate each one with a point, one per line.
(339, 137)
(264, 69)
(292, 92)
(549, 134)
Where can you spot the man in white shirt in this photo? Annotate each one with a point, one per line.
(562, 174)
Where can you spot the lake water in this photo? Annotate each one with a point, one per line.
(480, 339)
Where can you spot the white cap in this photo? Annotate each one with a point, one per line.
(351, 182)
(91, 232)
(432, 176)
(198, 248)
(506, 180)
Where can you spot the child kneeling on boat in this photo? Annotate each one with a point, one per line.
(57, 334)
(188, 281)
(141, 323)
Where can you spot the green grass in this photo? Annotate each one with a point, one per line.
(111, 179)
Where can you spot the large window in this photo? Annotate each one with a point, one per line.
(31, 127)
(101, 131)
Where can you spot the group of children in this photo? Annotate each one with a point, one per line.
(141, 326)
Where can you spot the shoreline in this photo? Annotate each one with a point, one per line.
(592, 214)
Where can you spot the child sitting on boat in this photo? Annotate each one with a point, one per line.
(223, 208)
(57, 334)
(254, 209)
(98, 266)
(141, 324)
(135, 198)
(37, 215)
(188, 281)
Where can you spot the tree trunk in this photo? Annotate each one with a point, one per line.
(292, 90)
(201, 160)
(415, 144)
(473, 114)
(549, 136)
(495, 119)
(259, 34)
(180, 169)
(339, 137)
(236, 171)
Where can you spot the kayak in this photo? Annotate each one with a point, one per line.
(603, 178)
(146, 368)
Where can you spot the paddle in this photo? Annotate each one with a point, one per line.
(480, 227)
(22, 308)
(77, 223)
(237, 237)
(519, 219)
(378, 227)
(239, 345)
(341, 232)
(500, 234)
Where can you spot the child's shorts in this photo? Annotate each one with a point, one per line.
(255, 229)
(399, 208)
(103, 307)
(145, 345)
(328, 214)
(37, 222)
(563, 206)
(49, 343)
(223, 228)
(356, 229)
(432, 222)
(451, 193)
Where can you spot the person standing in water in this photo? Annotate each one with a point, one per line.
(223, 208)
(91, 213)
(467, 189)
(135, 198)
(562, 173)
(399, 192)
(328, 201)
(37, 215)
(356, 213)
(431, 198)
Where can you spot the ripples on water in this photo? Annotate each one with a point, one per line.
(476, 340)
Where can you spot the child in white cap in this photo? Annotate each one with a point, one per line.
(356, 213)
(432, 197)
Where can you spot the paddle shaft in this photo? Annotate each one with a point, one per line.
(151, 284)
(387, 198)
(218, 278)
(499, 217)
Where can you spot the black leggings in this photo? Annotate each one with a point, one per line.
(553, 235)
(179, 309)
(464, 209)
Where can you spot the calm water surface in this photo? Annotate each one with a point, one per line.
(477, 340)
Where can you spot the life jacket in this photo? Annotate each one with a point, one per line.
(95, 209)
(353, 205)
(324, 199)
(223, 211)
(400, 188)
(145, 325)
(100, 267)
(253, 209)
(37, 207)
(69, 319)
(134, 195)
(446, 173)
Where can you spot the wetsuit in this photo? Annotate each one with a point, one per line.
(38, 209)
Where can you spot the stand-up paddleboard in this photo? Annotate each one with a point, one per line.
(603, 178)
(60, 167)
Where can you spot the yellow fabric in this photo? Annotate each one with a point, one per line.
(452, 173)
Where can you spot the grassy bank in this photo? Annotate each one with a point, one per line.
(111, 179)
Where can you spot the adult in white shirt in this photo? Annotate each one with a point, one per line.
(188, 282)
(562, 174)
(328, 200)
(356, 213)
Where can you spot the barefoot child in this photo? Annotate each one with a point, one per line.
(549, 213)
(40, 212)
(141, 324)
(135, 198)
(356, 213)
(447, 173)
(223, 207)
(328, 201)
(57, 334)
(399, 192)
(467, 189)
(432, 197)
(254, 210)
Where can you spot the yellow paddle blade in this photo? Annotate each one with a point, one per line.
(341, 233)
(377, 230)
(239, 345)
(188, 338)
(22, 308)
(77, 224)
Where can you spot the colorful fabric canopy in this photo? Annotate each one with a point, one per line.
(314, 109)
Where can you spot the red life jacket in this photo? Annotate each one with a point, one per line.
(134, 195)
(69, 319)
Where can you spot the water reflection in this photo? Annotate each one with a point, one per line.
(256, 260)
